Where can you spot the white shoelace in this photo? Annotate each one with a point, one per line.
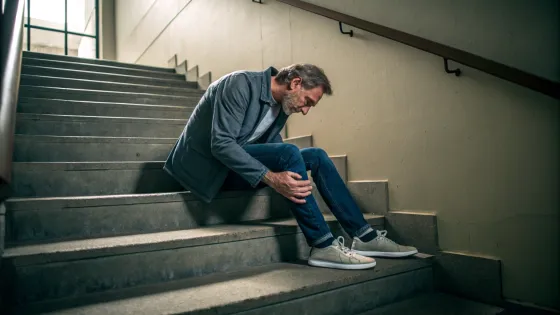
(343, 248)
(381, 235)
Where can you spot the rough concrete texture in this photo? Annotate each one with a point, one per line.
(474, 277)
(371, 196)
(45, 179)
(106, 96)
(87, 267)
(39, 80)
(71, 59)
(414, 228)
(98, 68)
(62, 125)
(31, 148)
(81, 217)
(436, 304)
(205, 80)
(139, 243)
(259, 287)
(100, 76)
(301, 142)
(89, 108)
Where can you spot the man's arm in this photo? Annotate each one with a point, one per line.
(277, 139)
(230, 105)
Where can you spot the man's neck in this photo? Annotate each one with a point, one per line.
(277, 90)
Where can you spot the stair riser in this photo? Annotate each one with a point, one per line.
(42, 56)
(101, 68)
(45, 151)
(99, 127)
(46, 182)
(78, 277)
(104, 96)
(79, 222)
(99, 76)
(356, 298)
(60, 107)
(105, 86)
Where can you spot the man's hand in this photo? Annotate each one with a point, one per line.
(289, 185)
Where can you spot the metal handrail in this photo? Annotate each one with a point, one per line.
(526, 79)
(10, 65)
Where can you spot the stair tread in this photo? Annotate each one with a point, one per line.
(75, 118)
(118, 245)
(172, 79)
(134, 105)
(195, 93)
(52, 79)
(106, 65)
(93, 139)
(234, 292)
(436, 304)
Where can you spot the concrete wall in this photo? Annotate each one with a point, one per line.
(479, 151)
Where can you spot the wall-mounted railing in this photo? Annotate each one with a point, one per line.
(10, 66)
(531, 81)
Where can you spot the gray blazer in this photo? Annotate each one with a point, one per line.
(223, 121)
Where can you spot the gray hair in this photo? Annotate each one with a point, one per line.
(311, 77)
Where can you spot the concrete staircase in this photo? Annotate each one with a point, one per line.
(97, 227)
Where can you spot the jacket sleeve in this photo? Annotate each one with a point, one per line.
(231, 101)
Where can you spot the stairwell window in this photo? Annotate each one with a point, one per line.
(64, 27)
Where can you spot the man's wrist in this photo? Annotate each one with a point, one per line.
(268, 178)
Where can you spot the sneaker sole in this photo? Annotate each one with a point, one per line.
(326, 264)
(386, 254)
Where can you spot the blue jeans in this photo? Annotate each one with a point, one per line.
(279, 157)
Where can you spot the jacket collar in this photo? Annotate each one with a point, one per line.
(266, 92)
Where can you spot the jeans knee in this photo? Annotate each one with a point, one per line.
(314, 153)
(291, 153)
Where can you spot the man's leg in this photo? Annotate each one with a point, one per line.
(326, 251)
(332, 188)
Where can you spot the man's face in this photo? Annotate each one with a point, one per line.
(299, 100)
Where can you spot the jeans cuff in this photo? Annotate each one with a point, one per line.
(322, 239)
(363, 231)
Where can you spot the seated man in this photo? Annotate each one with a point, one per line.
(232, 141)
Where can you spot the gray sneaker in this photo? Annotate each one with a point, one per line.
(339, 257)
(381, 246)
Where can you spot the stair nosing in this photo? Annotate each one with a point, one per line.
(132, 244)
(195, 95)
(93, 139)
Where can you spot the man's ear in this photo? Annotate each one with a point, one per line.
(295, 84)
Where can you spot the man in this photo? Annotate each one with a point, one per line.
(232, 141)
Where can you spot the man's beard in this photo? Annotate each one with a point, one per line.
(289, 102)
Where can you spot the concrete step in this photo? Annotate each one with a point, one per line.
(116, 69)
(55, 179)
(106, 96)
(75, 268)
(40, 220)
(29, 54)
(89, 108)
(35, 80)
(71, 125)
(34, 148)
(280, 288)
(435, 304)
(102, 76)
